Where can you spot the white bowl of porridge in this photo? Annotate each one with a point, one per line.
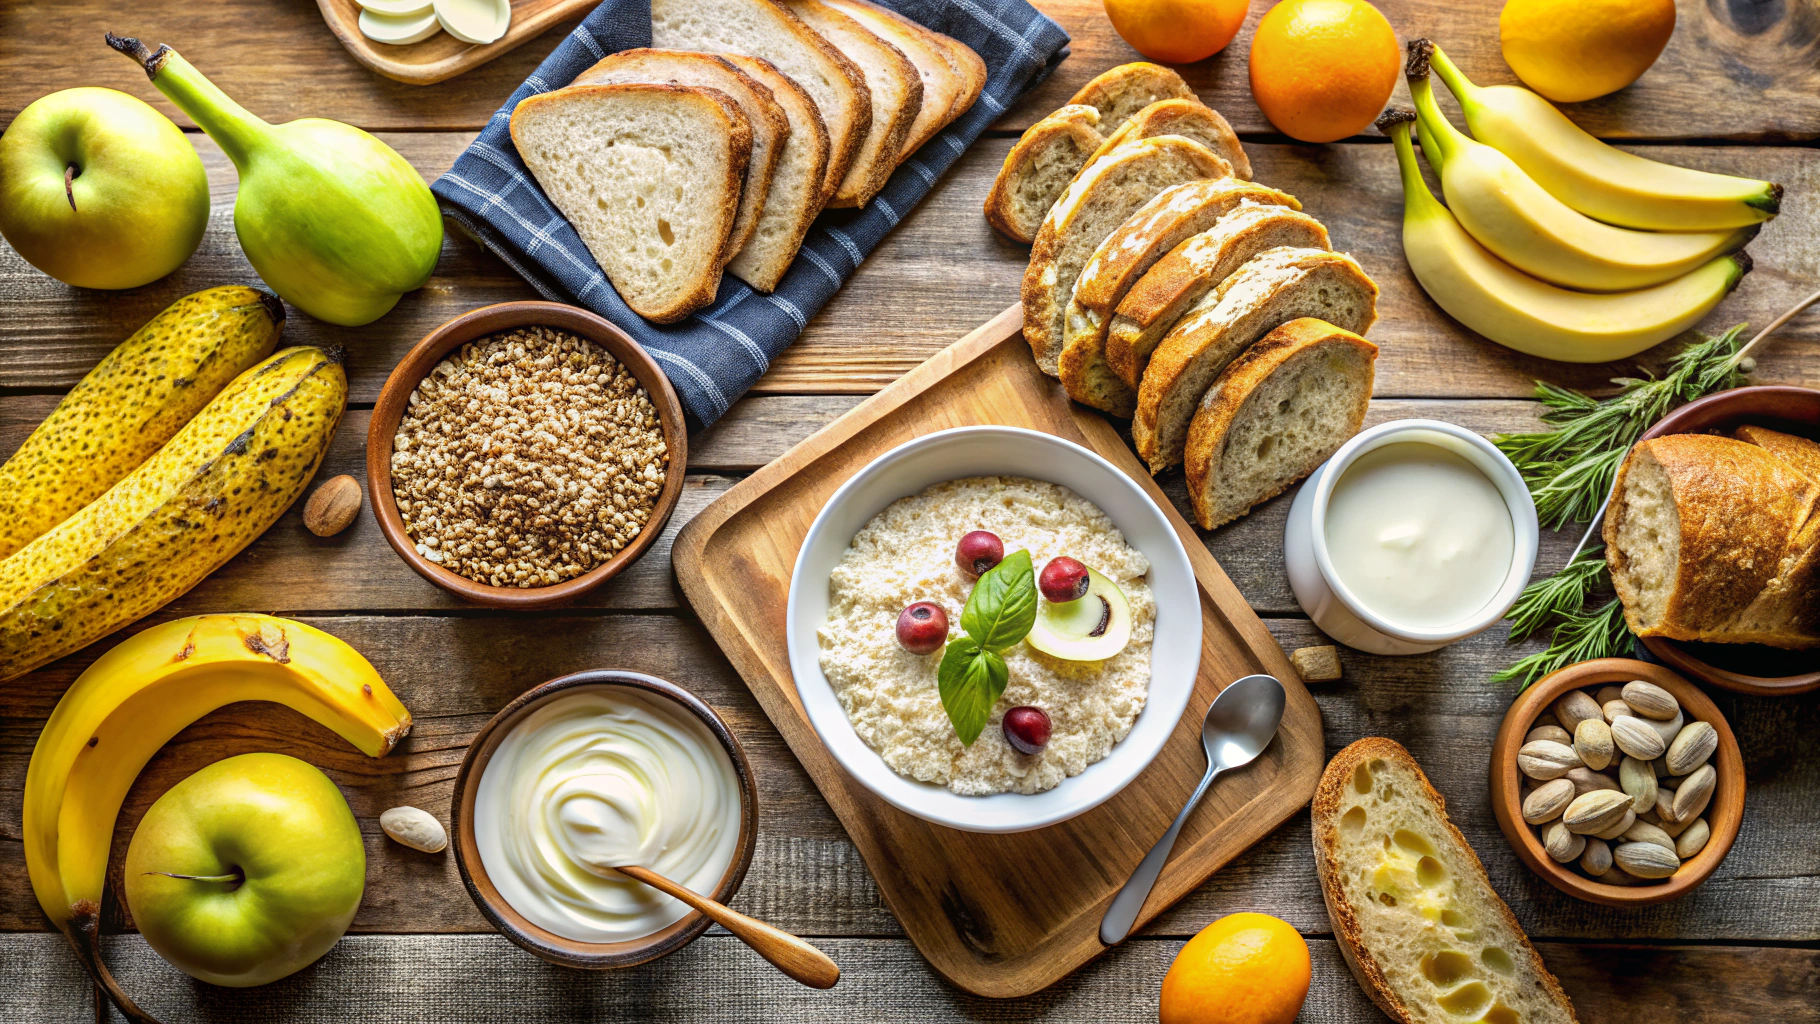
(887, 539)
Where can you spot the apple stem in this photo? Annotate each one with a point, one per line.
(234, 876)
(69, 175)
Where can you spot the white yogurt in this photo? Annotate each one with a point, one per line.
(1419, 535)
(596, 779)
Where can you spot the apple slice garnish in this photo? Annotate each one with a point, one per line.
(1093, 627)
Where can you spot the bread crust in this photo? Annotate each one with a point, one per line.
(807, 131)
(1123, 91)
(943, 83)
(877, 154)
(1187, 117)
(1072, 125)
(1324, 813)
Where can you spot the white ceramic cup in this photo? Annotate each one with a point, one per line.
(1335, 608)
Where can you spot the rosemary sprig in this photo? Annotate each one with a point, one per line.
(1557, 596)
(1579, 636)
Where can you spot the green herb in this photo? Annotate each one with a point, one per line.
(1579, 636)
(999, 613)
(1557, 596)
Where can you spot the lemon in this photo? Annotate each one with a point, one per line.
(1573, 50)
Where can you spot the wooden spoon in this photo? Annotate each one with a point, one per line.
(786, 952)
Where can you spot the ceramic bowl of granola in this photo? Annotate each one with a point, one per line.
(524, 453)
(993, 629)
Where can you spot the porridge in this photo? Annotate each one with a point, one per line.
(906, 558)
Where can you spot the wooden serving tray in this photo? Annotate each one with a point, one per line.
(998, 915)
(442, 56)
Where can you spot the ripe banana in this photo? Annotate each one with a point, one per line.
(227, 476)
(141, 693)
(1596, 179)
(1532, 230)
(139, 395)
(1520, 312)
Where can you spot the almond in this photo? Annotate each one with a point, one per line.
(333, 507)
(1562, 845)
(414, 828)
(1692, 841)
(1691, 748)
(1639, 780)
(1695, 793)
(1619, 827)
(1553, 733)
(1596, 811)
(1637, 739)
(1597, 859)
(1593, 742)
(1546, 759)
(1645, 860)
(1650, 700)
(1574, 707)
(1548, 801)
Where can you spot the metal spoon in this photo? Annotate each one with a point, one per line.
(1240, 723)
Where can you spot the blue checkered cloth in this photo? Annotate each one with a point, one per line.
(715, 355)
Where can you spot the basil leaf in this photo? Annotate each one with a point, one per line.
(1002, 607)
(970, 680)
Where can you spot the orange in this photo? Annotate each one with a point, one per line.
(1241, 969)
(1322, 70)
(1177, 31)
(1573, 50)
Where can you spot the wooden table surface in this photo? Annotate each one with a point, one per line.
(1736, 90)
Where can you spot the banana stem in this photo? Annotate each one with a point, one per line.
(84, 934)
(1457, 83)
(1440, 139)
(1417, 200)
(234, 128)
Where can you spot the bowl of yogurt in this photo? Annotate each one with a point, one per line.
(588, 772)
(1414, 535)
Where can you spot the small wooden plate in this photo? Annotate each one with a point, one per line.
(547, 944)
(1723, 815)
(504, 316)
(442, 56)
(1745, 668)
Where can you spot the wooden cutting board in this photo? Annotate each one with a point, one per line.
(998, 915)
(442, 56)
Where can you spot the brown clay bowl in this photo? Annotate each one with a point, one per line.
(1724, 814)
(547, 944)
(504, 316)
(1745, 668)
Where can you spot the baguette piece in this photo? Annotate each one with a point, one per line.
(1275, 287)
(897, 97)
(1039, 168)
(944, 84)
(766, 28)
(1158, 301)
(1798, 452)
(1713, 539)
(1170, 217)
(796, 187)
(649, 176)
(770, 128)
(1123, 91)
(1275, 414)
(1189, 118)
(1414, 913)
(1098, 201)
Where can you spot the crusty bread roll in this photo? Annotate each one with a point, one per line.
(1718, 540)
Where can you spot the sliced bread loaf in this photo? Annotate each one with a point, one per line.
(1416, 918)
(1038, 169)
(1157, 302)
(1170, 217)
(967, 64)
(649, 176)
(1275, 414)
(1101, 199)
(897, 97)
(770, 127)
(766, 28)
(1275, 287)
(1798, 452)
(796, 186)
(1123, 91)
(1189, 118)
(943, 84)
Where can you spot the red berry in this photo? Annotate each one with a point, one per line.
(922, 627)
(978, 552)
(1063, 580)
(1027, 729)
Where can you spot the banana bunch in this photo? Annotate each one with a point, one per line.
(137, 696)
(1553, 243)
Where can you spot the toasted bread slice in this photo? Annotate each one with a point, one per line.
(897, 98)
(649, 176)
(943, 84)
(1189, 118)
(1159, 299)
(1100, 200)
(1169, 218)
(1123, 91)
(796, 187)
(1275, 287)
(1039, 168)
(1417, 920)
(1274, 415)
(770, 127)
(767, 28)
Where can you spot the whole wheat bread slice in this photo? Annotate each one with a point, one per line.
(1273, 288)
(767, 28)
(1275, 414)
(1039, 169)
(1416, 918)
(1157, 302)
(1123, 91)
(1101, 199)
(796, 187)
(897, 97)
(1189, 118)
(943, 84)
(770, 127)
(1169, 218)
(649, 176)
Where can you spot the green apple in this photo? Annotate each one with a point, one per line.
(246, 871)
(99, 190)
